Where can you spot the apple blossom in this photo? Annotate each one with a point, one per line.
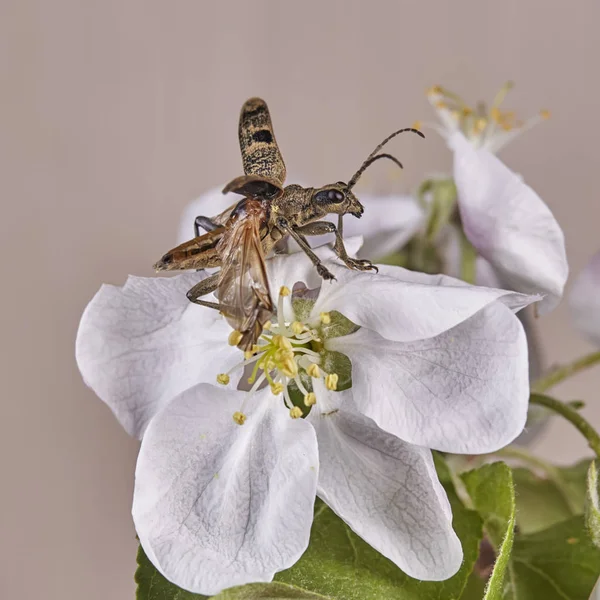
(382, 367)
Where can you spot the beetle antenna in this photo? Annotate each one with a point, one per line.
(372, 157)
(369, 162)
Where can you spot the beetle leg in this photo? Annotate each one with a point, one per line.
(206, 286)
(322, 270)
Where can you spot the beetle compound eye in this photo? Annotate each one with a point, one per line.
(335, 196)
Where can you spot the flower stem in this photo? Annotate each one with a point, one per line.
(468, 258)
(569, 413)
(561, 373)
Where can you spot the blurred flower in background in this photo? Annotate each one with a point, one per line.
(584, 301)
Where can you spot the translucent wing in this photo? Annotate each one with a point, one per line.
(243, 287)
(260, 153)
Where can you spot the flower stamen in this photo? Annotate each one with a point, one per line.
(284, 350)
(239, 417)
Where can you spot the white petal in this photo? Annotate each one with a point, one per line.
(465, 391)
(218, 504)
(388, 493)
(485, 274)
(403, 305)
(584, 301)
(387, 224)
(140, 345)
(509, 224)
(289, 269)
(209, 204)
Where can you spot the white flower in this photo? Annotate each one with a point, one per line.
(489, 128)
(584, 301)
(506, 221)
(226, 480)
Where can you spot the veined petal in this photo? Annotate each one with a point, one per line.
(485, 274)
(388, 492)
(509, 224)
(464, 391)
(140, 345)
(584, 301)
(218, 504)
(403, 305)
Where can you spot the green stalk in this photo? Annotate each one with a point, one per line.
(588, 432)
(561, 373)
(468, 258)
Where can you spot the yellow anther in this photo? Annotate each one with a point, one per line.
(325, 318)
(295, 412)
(289, 367)
(506, 126)
(441, 105)
(282, 342)
(267, 325)
(310, 399)
(331, 381)
(417, 125)
(495, 114)
(297, 327)
(480, 124)
(545, 114)
(313, 370)
(466, 111)
(239, 417)
(277, 388)
(223, 378)
(284, 291)
(435, 90)
(235, 337)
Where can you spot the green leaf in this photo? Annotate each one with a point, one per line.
(492, 492)
(559, 563)
(592, 505)
(545, 501)
(341, 566)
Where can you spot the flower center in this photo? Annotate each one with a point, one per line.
(490, 126)
(287, 355)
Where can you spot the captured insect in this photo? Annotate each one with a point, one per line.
(239, 238)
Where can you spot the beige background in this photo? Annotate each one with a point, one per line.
(116, 113)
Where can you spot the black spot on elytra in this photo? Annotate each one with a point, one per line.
(262, 135)
(254, 112)
(195, 251)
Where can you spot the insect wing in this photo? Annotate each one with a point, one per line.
(260, 153)
(198, 253)
(243, 288)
